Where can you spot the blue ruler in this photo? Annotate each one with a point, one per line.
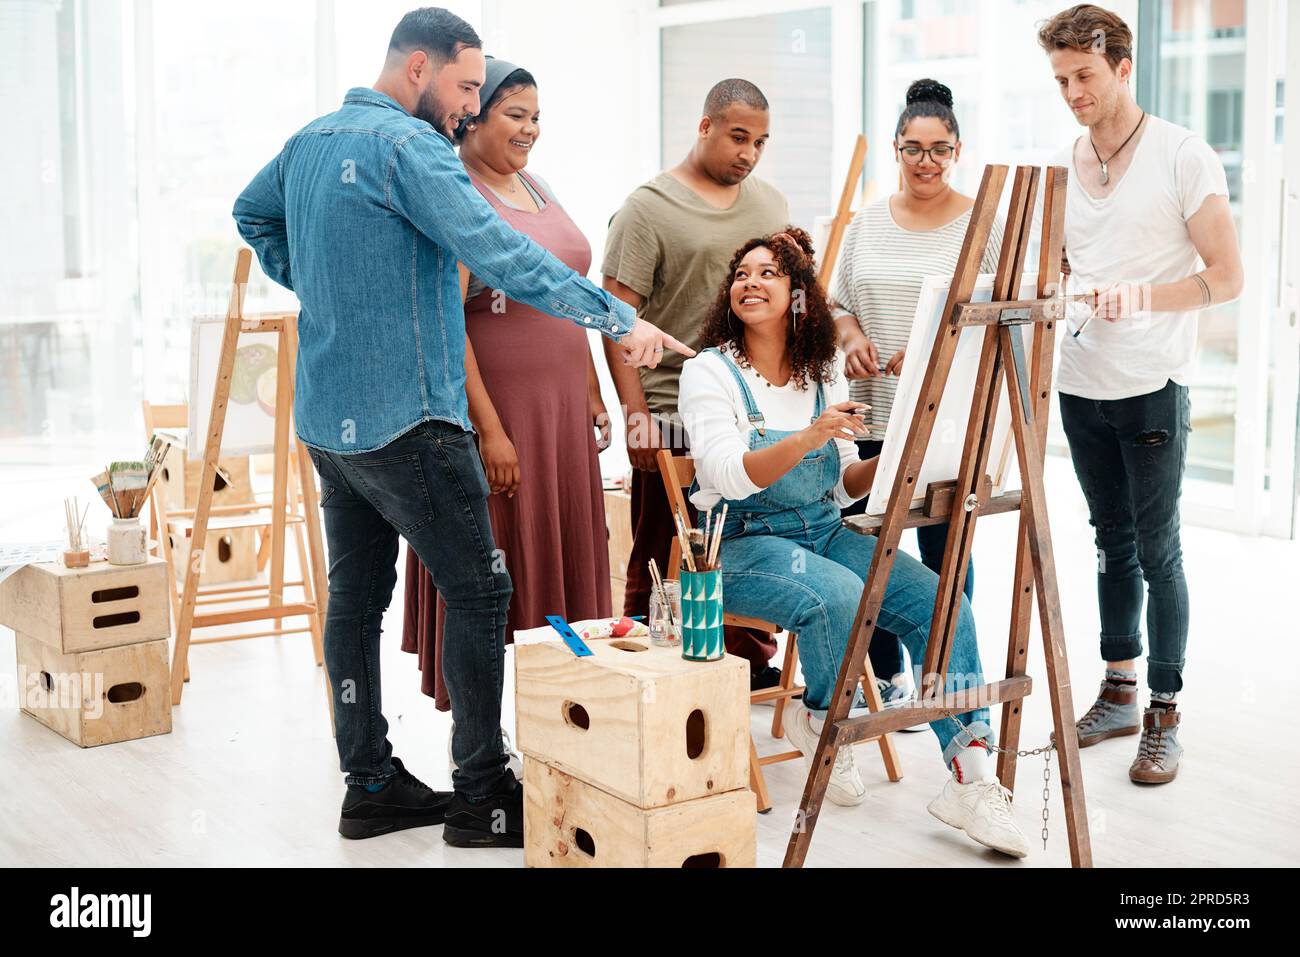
(576, 644)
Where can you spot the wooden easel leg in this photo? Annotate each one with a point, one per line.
(1033, 506)
(211, 452)
(279, 504)
(1022, 606)
(304, 562)
(1040, 389)
(757, 784)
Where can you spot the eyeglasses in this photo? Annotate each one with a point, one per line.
(941, 154)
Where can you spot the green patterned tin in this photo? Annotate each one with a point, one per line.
(702, 615)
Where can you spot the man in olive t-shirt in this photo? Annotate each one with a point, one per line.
(667, 255)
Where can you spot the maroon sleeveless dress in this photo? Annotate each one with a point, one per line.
(552, 533)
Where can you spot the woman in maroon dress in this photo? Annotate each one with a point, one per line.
(534, 400)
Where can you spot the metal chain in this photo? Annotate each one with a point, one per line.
(1046, 751)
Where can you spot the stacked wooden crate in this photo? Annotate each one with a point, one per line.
(633, 757)
(92, 648)
(230, 553)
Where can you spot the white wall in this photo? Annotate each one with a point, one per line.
(597, 142)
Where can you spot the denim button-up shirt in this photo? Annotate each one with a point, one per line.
(364, 215)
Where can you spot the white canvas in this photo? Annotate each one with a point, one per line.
(943, 456)
(250, 413)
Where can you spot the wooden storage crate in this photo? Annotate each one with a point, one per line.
(81, 609)
(636, 720)
(569, 823)
(96, 697)
(230, 554)
(179, 480)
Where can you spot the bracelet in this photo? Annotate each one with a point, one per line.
(1205, 289)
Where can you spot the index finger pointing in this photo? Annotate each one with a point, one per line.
(671, 343)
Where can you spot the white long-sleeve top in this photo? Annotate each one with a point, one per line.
(717, 424)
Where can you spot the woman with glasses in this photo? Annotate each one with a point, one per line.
(889, 249)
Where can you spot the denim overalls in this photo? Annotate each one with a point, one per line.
(787, 558)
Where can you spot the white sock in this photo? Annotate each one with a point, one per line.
(972, 763)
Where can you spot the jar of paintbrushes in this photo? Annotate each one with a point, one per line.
(125, 487)
(701, 589)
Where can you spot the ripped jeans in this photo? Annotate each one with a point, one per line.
(1129, 456)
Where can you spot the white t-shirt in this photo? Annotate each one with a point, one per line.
(717, 423)
(1136, 234)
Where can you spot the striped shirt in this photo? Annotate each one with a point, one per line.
(882, 267)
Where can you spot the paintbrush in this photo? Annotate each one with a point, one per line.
(684, 540)
(663, 594)
(717, 537)
(128, 481)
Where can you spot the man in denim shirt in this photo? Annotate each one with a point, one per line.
(364, 214)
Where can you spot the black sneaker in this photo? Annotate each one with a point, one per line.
(495, 821)
(764, 678)
(405, 801)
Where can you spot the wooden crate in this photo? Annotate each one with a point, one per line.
(230, 555)
(81, 609)
(96, 697)
(569, 823)
(179, 480)
(636, 720)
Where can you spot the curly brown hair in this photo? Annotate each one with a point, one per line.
(811, 340)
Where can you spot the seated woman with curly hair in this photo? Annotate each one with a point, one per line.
(771, 429)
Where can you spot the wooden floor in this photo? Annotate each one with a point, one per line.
(249, 775)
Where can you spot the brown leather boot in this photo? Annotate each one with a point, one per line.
(1113, 714)
(1158, 749)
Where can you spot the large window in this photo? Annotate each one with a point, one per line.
(1202, 79)
(69, 333)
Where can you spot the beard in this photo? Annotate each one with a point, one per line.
(431, 111)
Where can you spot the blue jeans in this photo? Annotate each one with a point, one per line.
(428, 487)
(932, 541)
(804, 571)
(1129, 456)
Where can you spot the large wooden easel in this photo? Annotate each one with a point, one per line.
(1028, 390)
(285, 325)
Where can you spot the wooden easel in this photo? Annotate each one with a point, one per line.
(961, 502)
(843, 213)
(313, 572)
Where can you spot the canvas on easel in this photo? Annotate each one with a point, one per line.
(943, 455)
(250, 415)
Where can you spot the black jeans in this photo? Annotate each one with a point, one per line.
(427, 486)
(886, 651)
(1129, 455)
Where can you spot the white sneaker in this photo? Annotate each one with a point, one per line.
(846, 788)
(983, 810)
(513, 761)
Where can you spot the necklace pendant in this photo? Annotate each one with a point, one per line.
(1105, 175)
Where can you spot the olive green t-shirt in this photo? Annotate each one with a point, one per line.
(670, 246)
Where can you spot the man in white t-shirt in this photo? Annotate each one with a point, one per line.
(1149, 239)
